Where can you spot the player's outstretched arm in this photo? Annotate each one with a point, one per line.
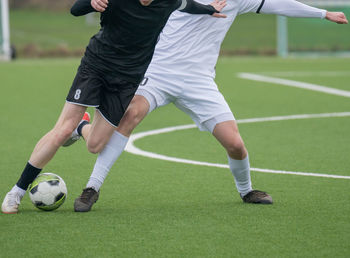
(193, 7)
(337, 17)
(292, 8)
(81, 7)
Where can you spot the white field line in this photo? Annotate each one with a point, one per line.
(297, 84)
(134, 150)
(308, 73)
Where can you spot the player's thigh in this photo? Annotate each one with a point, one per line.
(138, 107)
(70, 116)
(135, 113)
(228, 135)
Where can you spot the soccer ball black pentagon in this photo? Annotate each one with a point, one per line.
(48, 192)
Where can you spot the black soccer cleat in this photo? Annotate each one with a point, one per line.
(85, 201)
(257, 197)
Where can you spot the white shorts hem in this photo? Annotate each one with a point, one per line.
(210, 124)
(151, 99)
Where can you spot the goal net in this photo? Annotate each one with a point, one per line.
(314, 36)
(5, 50)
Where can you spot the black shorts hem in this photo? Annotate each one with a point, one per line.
(105, 118)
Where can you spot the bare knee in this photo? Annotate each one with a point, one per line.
(94, 146)
(236, 149)
(228, 135)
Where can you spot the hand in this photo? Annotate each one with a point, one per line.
(99, 5)
(219, 5)
(337, 17)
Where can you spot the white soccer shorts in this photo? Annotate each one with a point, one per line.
(197, 97)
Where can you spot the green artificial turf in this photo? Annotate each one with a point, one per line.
(154, 208)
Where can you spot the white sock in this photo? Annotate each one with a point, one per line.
(106, 159)
(241, 172)
(18, 190)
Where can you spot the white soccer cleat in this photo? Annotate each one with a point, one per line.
(75, 136)
(11, 203)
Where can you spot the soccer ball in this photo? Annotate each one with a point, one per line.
(48, 192)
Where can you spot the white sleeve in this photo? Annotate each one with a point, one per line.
(291, 8)
(249, 6)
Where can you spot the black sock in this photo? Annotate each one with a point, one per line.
(80, 127)
(28, 175)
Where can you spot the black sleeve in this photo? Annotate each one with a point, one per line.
(82, 7)
(194, 7)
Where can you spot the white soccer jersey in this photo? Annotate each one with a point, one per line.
(190, 44)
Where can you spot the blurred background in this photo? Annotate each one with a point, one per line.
(45, 28)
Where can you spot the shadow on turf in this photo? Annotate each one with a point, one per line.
(124, 208)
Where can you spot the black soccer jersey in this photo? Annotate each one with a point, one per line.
(129, 31)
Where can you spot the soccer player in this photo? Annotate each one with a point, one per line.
(110, 71)
(182, 71)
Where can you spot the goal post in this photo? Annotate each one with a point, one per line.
(309, 37)
(5, 49)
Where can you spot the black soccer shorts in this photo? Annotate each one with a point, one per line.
(110, 95)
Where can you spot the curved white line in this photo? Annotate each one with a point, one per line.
(131, 148)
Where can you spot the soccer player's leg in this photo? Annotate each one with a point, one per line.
(99, 134)
(43, 153)
(207, 107)
(115, 99)
(136, 111)
(228, 135)
(142, 103)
